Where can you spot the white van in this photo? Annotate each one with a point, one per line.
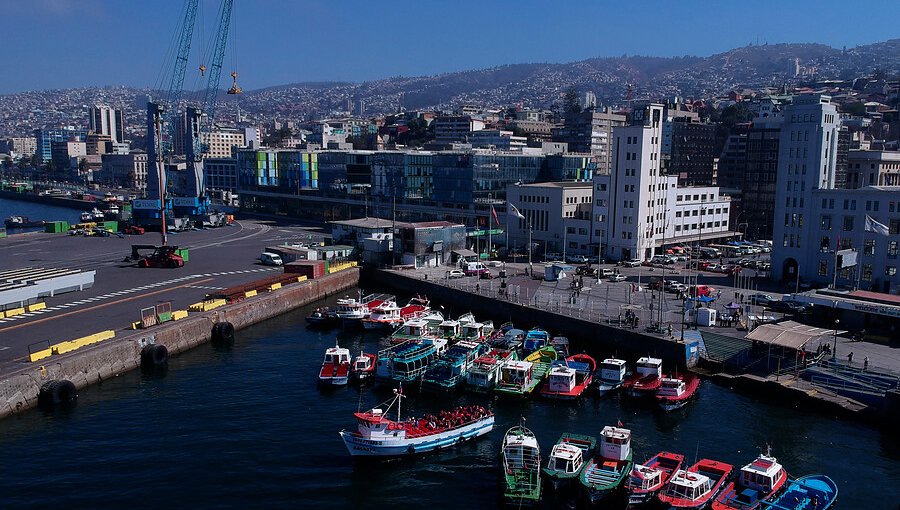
(271, 259)
(474, 268)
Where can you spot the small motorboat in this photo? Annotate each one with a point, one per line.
(363, 367)
(646, 379)
(648, 478)
(335, 367)
(384, 316)
(610, 376)
(22, 222)
(507, 337)
(521, 378)
(676, 392)
(535, 339)
(605, 474)
(570, 378)
(695, 487)
(561, 344)
(323, 317)
(485, 370)
(806, 493)
(756, 483)
(378, 436)
(567, 458)
(521, 463)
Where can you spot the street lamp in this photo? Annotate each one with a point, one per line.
(834, 331)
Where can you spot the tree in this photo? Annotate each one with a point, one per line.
(571, 102)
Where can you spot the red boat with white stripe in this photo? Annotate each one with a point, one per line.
(675, 392)
(335, 367)
(695, 486)
(646, 379)
(759, 481)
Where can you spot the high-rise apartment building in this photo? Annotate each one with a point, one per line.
(45, 137)
(104, 120)
(590, 132)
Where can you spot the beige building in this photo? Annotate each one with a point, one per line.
(559, 214)
(873, 168)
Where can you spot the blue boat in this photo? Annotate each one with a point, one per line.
(535, 339)
(508, 338)
(449, 371)
(406, 362)
(810, 492)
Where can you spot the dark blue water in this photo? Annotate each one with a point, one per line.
(36, 211)
(248, 428)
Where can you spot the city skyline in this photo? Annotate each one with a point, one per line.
(124, 43)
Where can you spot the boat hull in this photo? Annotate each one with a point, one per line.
(359, 447)
(605, 388)
(333, 381)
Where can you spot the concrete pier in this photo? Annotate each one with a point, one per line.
(19, 389)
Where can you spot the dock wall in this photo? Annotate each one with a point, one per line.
(19, 390)
(608, 339)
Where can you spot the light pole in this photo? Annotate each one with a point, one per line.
(834, 331)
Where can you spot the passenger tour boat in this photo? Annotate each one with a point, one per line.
(648, 478)
(521, 463)
(676, 392)
(605, 474)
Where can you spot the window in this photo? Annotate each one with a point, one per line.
(569, 230)
(823, 268)
(826, 222)
(867, 272)
(848, 224)
(892, 249)
(824, 244)
(869, 247)
(894, 227)
(890, 270)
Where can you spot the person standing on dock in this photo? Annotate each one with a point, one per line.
(865, 363)
(850, 358)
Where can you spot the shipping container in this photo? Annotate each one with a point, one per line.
(56, 227)
(183, 252)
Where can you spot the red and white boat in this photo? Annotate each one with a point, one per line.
(648, 478)
(363, 367)
(646, 378)
(568, 379)
(352, 311)
(759, 481)
(335, 367)
(675, 392)
(696, 486)
(384, 316)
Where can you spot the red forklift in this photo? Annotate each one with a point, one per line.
(162, 256)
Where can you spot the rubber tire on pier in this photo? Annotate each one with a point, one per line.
(154, 357)
(223, 333)
(57, 392)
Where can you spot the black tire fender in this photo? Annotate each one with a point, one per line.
(223, 333)
(57, 392)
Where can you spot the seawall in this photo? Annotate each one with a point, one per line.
(609, 339)
(19, 390)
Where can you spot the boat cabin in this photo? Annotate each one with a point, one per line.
(762, 474)
(473, 331)
(449, 329)
(535, 339)
(670, 387)
(337, 356)
(349, 307)
(516, 372)
(521, 452)
(566, 458)
(414, 328)
(645, 478)
(688, 485)
(562, 379)
(612, 370)
(362, 363)
(649, 367)
(615, 443)
(374, 425)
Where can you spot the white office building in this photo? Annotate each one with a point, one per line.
(559, 214)
(807, 156)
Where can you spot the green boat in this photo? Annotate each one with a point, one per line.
(605, 474)
(521, 462)
(521, 378)
(568, 458)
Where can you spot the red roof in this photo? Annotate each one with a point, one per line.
(875, 296)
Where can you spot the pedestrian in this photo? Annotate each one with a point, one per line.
(850, 358)
(865, 363)
(477, 288)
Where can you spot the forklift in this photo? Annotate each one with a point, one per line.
(162, 256)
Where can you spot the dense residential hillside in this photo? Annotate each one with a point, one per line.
(536, 84)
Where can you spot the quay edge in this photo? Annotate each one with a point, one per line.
(19, 390)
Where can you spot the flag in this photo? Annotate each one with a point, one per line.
(514, 212)
(874, 226)
(621, 424)
(494, 214)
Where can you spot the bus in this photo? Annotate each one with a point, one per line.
(729, 250)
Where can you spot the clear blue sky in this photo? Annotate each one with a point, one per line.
(73, 43)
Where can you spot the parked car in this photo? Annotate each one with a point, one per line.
(702, 290)
(553, 257)
(761, 299)
(486, 275)
(586, 271)
(716, 268)
(605, 272)
(455, 273)
(632, 263)
(576, 259)
(616, 277)
(787, 307)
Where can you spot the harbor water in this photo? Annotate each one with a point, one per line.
(36, 211)
(247, 427)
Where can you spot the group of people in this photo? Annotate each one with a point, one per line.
(631, 319)
(455, 418)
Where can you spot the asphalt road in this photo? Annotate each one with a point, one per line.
(218, 258)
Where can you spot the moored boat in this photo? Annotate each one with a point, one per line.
(757, 482)
(567, 458)
(675, 392)
(352, 311)
(384, 316)
(335, 367)
(406, 362)
(605, 474)
(485, 370)
(570, 378)
(648, 478)
(521, 378)
(322, 317)
(379, 436)
(696, 486)
(22, 222)
(449, 371)
(521, 463)
(646, 378)
(611, 375)
(476, 331)
(561, 344)
(363, 367)
(806, 493)
(536, 339)
(508, 337)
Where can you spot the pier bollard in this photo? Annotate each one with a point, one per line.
(56, 393)
(223, 334)
(154, 358)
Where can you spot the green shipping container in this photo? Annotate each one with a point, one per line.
(111, 225)
(183, 252)
(56, 227)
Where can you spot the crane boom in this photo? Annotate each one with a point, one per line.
(176, 85)
(215, 69)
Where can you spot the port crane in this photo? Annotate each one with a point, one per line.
(162, 125)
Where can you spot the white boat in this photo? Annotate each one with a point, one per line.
(611, 375)
(351, 310)
(53, 192)
(378, 436)
(485, 370)
(385, 315)
(363, 367)
(335, 367)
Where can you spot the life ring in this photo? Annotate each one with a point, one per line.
(691, 478)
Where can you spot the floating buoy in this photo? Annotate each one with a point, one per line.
(223, 333)
(57, 392)
(154, 357)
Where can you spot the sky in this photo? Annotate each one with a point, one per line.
(75, 43)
